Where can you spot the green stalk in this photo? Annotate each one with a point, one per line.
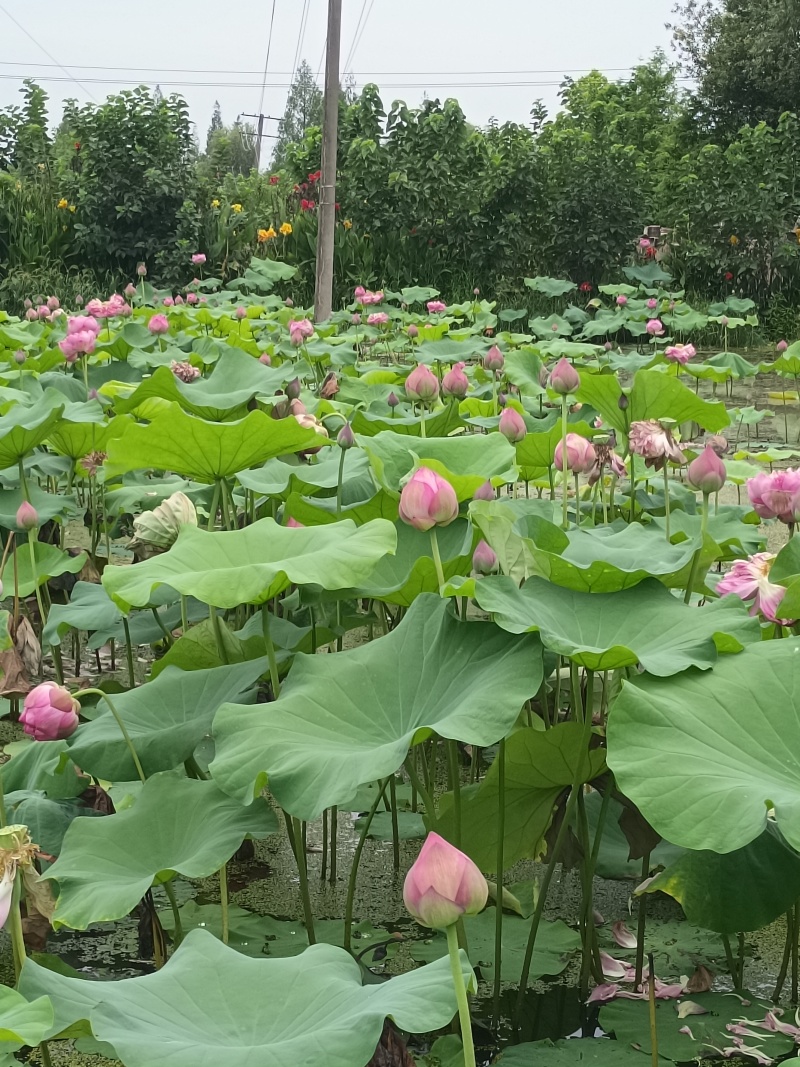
(421, 420)
(437, 559)
(500, 829)
(652, 1003)
(666, 500)
(339, 484)
(696, 558)
(564, 459)
(351, 884)
(212, 515)
(129, 651)
(334, 842)
(31, 539)
(427, 799)
(395, 826)
(273, 663)
(455, 784)
(223, 901)
(641, 926)
(295, 835)
(120, 724)
(218, 637)
(461, 997)
(177, 935)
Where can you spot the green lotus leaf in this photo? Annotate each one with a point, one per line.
(256, 563)
(42, 765)
(176, 824)
(654, 395)
(206, 451)
(704, 755)
(22, 1021)
(552, 326)
(47, 820)
(439, 423)
(540, 765)
(613, 859)
(497, 522)
(538, 449)
(22, 428)
(317, 510)
(274, 478)
(48, 505)
(644, 625)
(50, 562)
(6, 640)
(345, 720)
(552, 287)
(77, 438)
(576, 1052)
(90, 608)
(166, 719)
(649, 274)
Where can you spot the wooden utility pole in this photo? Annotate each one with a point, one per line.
(326, 214)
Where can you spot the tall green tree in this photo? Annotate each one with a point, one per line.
(303, 110)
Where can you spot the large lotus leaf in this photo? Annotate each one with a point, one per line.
(203, 450)
(47, 820)
(345, 720)
(649, 274)
(552, 287)
(275, 477)
(22, 1021)
(77, 438)
(603, 559)
(540, 764)
(90, 608)
(22, 428)
(614, 858)
(50, 563)
(472, 459)
(786, 571)
(42, 765)
(538, 449)
(656, 396)
(48, 505)
(236, 379)
(706, 756)
(497, 522)
(450, 351)
(176, 824)
(166, 720)
(629, 1021)
(315, 510)
(522, 369)
(644, 625)
(438, 424)
(400, 578)
(254, 564)
(552, 326)
(589, 1052)
(210, 1005)
(742, 890)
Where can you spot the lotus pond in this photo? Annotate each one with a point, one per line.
(419, 687)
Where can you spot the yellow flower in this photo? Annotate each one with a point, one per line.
(236, 208)
(215, 203)
(286, 229)
(266, 235)
(348, 224)
(733, 239)
(63, 202)
(71, 208)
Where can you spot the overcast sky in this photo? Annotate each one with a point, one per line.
(469, 49)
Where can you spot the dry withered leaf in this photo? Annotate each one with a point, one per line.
(701, 981)
(14, 679)
(391, 1050)
(27, 644)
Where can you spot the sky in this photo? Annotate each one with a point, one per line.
(496, 58)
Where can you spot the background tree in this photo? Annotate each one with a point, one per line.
(303, 110)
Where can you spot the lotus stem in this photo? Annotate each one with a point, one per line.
(351, 884)
(177, 935)
(666, 501)
(395, 826)
(123, 729)
(295, 834)
(498, 923)
(339, 483)
(437, 559)
(129, 651)
(421, 420)
(641, 926)
(564, 461)
(32, 538)
(273, 663)
(212, 514)
(427, 799)
(787, 948)
(334, 841)
(461, 996)
(223, 901)
(698, 553)
(652, 1002)
(218, 636)
(455, 785)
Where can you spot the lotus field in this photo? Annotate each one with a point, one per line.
(420, 686)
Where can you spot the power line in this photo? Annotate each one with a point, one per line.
(300, 36)
(357, 42)
(266, 61)
(48, 54)
(358, 27)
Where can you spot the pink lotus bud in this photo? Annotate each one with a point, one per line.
(6, 893)
(581, 455)
(168, 302)
(30, 314)
(493, 360)
(265, 359)
(622, 300)
(346, 438)
(288, 302)
(53, 302)
(707, 472)
(652, 303)
(512, 425)
(241, 313)
(455, 382)
(50, 713)
(484, 561)
(392, 400)
(412, 331)
(141, 270)
(26, 303)
(355, 319)
(43, 311)
(191, 298)
(781, 346)
(724, 321)
(19, 356)
(564, 378)
(422, 384)
(292, 389)
(476, 291)
(130, 289)
(27, 518)
(297, 407)
(655, 327)
(442, 885)
(484, 492)
(293, 524)
(435, 307)
(158, 324)
(79, 300)
(178, 298)
(428, 500)
(608, 346)
(198, 259)
(359, 293)
(502, 399)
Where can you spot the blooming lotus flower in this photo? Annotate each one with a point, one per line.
(655, 327)
(359, 293)
(191, 298)
(78, 343)
(493, 360)
(43, 311)
(185, 371)
(605, 456)
(428, 500)
(435, 307)
(512, 426)
(299, 331)
(707, 473)
(654, 443)
(679, 353)
(564, 378)
(455, 382)
(27, 517)
(370, 298)
(484, 560)
(422, 384)
(158, 324)
(484, 492)
(442, 885)
(581, 456)
(378, 318)
(749, 579)
(50, 713)
(771, 494)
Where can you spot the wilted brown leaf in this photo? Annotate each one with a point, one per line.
(14, 679)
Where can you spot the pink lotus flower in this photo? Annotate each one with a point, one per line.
(654, 443)
(78, 343)
(435, 307)
(455, 382)
(781, 346)
(564, 378)
(42, 311)
(330, 387)
(581, 456)
(493, 360)
(141, 270)
(178, 299)
(30, 314)
(158, 324)
(512, 426)
(707, 473)
(422, 384)
(168, 302)
(378, 318)
(198, 259)
(428, 500)
(622, 300)
(606, 457)
(265, 359)
(27, 517)
(749, 580)
(241, 313)
(130, 289)
(484, 560)
(185, 371)
(652, 304)
(655, 327)
(679, 353)
(359, 293)
(484, 492)
(191, 298)
(52, 303)
(442, 885)
(771, 494)
(293, 524)
(50, 713)
(370, 298)
(299, 331)
(644, 243)
(79, 323)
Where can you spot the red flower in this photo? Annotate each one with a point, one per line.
(338, 207)
(586, 287)
(650, 252)
(273, 179)
(77, 146)
(304, 186)
(728, 276)
(307, 205)
(315, 177)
